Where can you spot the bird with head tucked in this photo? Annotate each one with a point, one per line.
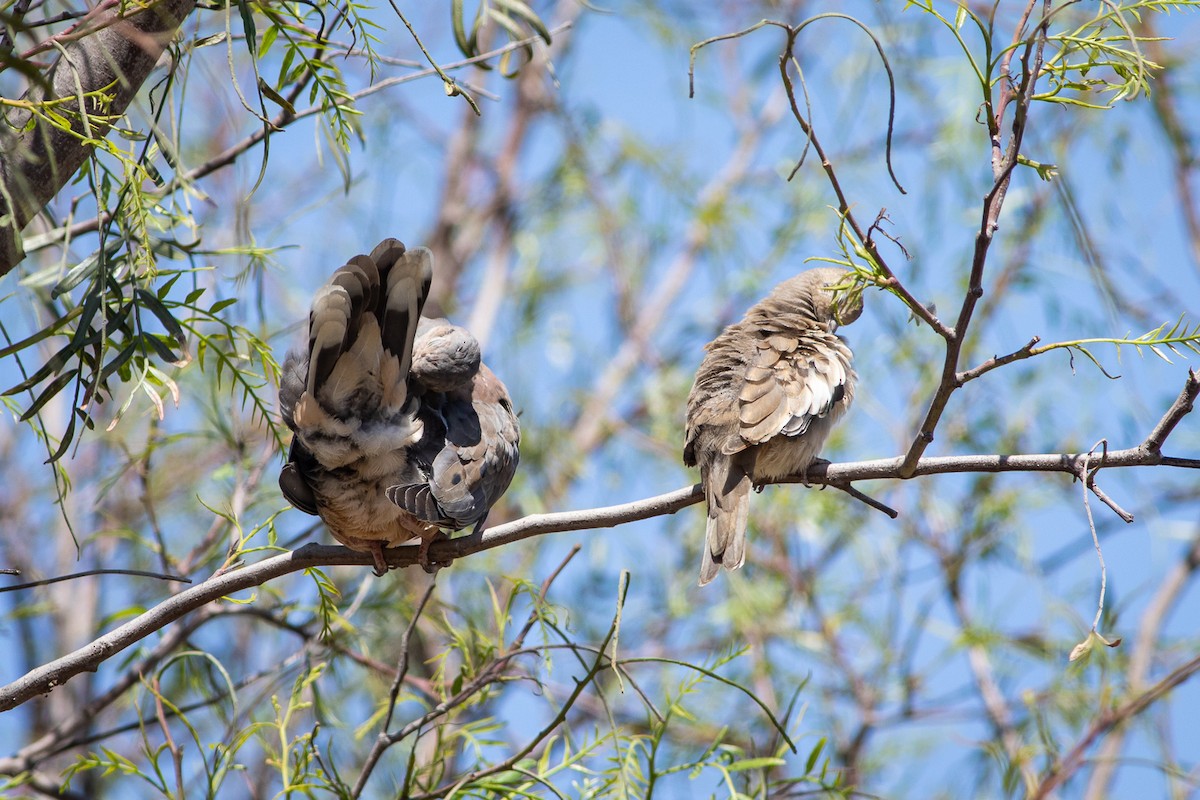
(401, 431)
(765, 399)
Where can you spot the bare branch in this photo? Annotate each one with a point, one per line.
(139, 573)
(1148, 628)
(48, 676)
(580, 684)
(1182, 406)
(381, 742)
(86, 715)
(997, 361)
(284, 118)
(1004, 160)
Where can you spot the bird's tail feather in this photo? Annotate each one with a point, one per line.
(727, 490)
(363, 326)
(407, 275)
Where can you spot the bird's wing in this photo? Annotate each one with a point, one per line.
(793, 378)
(292, 482)
(477, 460)
(712, 418)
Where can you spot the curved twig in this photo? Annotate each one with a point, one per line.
(137, 573)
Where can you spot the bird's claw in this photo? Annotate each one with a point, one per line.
(381, 565)
(811, 464)
(428, 564)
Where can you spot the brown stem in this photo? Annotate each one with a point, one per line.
(1106, 721)
(993, 202)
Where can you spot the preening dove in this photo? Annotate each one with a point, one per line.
(766, 396)
(400, 430)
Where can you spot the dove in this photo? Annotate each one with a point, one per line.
(766, 396)
(401, 431)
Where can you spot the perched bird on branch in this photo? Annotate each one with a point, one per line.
(765, 399)
(400, 430)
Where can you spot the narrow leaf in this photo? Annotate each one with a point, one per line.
(156, 307)
(248, 26)
(49, 393)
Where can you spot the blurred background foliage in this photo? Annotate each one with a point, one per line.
(595, 227)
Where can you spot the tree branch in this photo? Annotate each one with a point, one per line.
(1106, 721)
(45, 678)
(1004, 160)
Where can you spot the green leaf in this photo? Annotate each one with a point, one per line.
(53, 364)
(119, 360)
(221, 305)
(160, 347)
(155, 306)
(68, 437)
(209, 41)
(526, 13)
(814, 755)
(248, 26)
(49, 393)
(268, 39)
(275, 97)
(460, 32)
(166, 286)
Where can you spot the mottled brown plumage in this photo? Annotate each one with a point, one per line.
(400, 430)
(766, 397)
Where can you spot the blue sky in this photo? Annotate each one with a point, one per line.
(634, 89)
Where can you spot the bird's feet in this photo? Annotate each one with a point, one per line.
(428, 564)
(381, 565)
(804, 472)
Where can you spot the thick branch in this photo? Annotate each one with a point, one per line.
(39, 160)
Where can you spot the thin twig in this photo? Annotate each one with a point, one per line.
(60, 578)
(86, 714)
(867, 499)
(1182, 406)
(888, 278)
(580, 684)
(280, 121)
(1066, 766)
(1004, 160)
(1087, 478)
(997, 361)
(489, 674)
(1149, 628)
(381, 741)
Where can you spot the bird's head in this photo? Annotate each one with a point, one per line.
(828, 294)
